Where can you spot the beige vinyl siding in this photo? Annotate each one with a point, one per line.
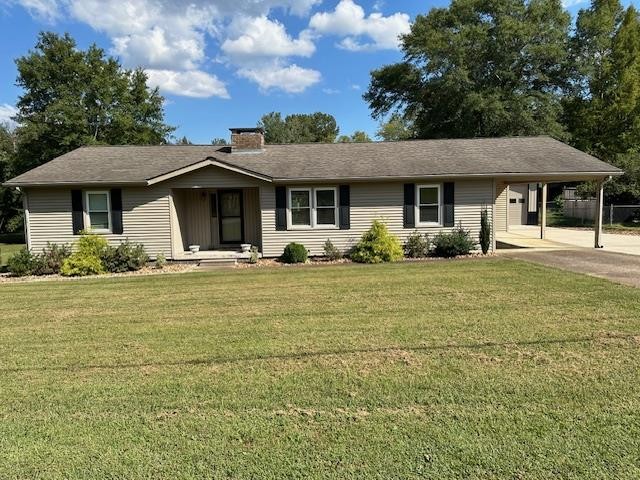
(502, 198)
(371, 201)
(145, 218)
(212, 177)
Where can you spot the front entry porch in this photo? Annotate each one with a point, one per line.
(218, 221)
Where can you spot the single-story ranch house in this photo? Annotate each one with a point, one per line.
(172, 197)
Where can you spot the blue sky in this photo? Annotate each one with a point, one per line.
(224, 63)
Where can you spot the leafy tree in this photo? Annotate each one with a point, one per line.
(184, 141)
(73, 97)
(218, 141)
(9, 197)
(603, 114)
(395, 129)
(479, 68)
(299, 128)
(356, 137)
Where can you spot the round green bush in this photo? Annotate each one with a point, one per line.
(294, 253)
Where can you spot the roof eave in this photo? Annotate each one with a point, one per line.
(533, 175)
(75, 184)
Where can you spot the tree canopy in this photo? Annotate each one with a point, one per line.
(479, 68)
(358, 136)
(73, 97)
(299, 128)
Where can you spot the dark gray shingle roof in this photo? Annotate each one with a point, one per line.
(334, 161)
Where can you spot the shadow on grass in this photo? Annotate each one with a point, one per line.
(323, 353)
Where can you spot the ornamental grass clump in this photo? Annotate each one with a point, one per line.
(377, 245)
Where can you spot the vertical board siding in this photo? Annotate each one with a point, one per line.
(501, 206)
(212, 177)
(145, 218)
(374, 201)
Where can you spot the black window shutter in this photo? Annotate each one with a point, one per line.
(77, 212)
(345, 207)
(116, 211)
(449, 200)
(281, 208)
(409, 212)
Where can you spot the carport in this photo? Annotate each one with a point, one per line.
(521, 203)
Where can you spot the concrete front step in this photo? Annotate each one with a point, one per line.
(212, 263)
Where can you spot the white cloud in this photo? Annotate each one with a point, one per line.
(191, 83)
(6, 112)
(349, 21)
(291, 78)
(262, 37)
(171, 39)
(331, 91)
(355, 86)
(572, 3)
(44, 10)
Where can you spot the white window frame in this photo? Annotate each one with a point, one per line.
(87, 211)
(335, 208)
(418, 205)
(313, 207)
(291, 226)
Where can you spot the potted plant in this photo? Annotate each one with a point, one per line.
(245, 247)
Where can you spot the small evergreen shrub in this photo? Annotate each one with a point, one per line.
(458, 242)
(81, 265)
(377, 245)
(417, 245)
(22, 263)
(331, 251)
(294, 253)
(485, 231)
(161, 261)
(254, 255)
(126, 257)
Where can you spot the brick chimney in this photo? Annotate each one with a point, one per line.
(246, 140)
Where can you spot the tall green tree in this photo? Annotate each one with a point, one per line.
(299, 128)
(9, 197)
(603, 114)
(479, 68)
(73, 97)
(396, 128)
(359, 136)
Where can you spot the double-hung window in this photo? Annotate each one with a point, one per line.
(313, 207)
(428, 204)
(98, 211)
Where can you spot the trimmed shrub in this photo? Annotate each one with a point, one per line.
(331, 251)
(254, 255)
(126, 257)
(22, 263)
(294, 253)
(161, 261)
(485, 231)
(86, 260)
(80, 265)
(458, 242)
(377, 245)
(51, 259)
(417, 245)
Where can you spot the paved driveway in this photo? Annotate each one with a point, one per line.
(527, 236)
(617, 267)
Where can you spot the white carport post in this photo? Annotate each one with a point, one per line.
(543, 219)
(599, 206)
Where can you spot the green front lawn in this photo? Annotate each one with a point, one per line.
(445, 369)
(7, 250)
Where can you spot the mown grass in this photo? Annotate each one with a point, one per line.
(7, 250)
(452, 369)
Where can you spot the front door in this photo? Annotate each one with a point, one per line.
(231, 216)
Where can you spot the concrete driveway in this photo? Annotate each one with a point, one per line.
(617, 267)
(562, 238)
